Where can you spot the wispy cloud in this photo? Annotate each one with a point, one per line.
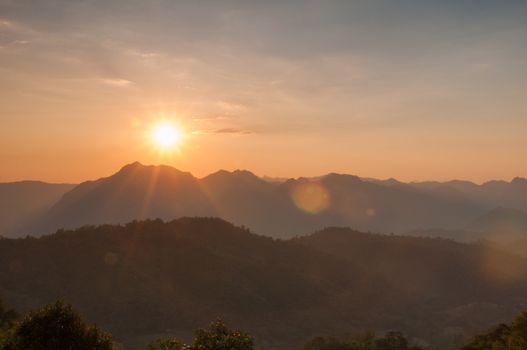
(143, 54)
(234, 131)
(117, 82)
(212, 118)
(6, 23)
(224, 131)
(232, 106)
(20, 42)
(12, 26)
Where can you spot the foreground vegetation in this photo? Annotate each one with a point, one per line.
(59, 326)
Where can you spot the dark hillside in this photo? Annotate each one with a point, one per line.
(151, 278)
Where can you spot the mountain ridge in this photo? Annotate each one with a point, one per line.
(279, 209)
(137, 191)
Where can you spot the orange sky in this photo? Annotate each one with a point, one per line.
(415, 92)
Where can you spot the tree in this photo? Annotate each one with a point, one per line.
(496, 339)
(392, 341)
(518, 334)
(168, 344)
(327, 343)
(502, 337)
(219, 337)
(7, 317)
(56, 326)
(7, 320)
(361, 341)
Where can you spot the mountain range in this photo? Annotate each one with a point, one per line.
(278, 208)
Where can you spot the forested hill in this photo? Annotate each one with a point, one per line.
(151, 278)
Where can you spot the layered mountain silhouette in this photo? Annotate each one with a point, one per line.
(278, 209)
(490, 195)
(148, 279)
(500, 225)
(502, 222)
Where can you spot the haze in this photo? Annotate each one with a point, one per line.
(296, 174)
(409, 89)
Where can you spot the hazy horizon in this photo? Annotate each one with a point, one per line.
(234, 160)
(116, 169)
(263, 176)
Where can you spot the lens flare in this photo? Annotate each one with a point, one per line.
(311, 197)
(371, 212)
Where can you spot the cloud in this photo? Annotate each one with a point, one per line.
(117, 82)
(225, 131)
(232, 106)
(143, 54)
(234, 131)
(5, 23)
(212, 118)
(15, 27)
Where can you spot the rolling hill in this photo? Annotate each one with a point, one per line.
(147, 279)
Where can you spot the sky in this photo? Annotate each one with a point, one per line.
(414, 90)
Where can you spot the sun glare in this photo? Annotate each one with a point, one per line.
(166, 135)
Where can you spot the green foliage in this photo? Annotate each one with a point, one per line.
(56, 326)
(324, 343)
(219, 337)
(7, 316)
(503, 337)
(392, 341)
(366, 341)
(168, 344)
(7, 320)
(518, 334)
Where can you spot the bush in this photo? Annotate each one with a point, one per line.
(56, 326)
(217, 337)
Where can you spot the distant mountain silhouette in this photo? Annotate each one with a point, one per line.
(369, 206)
(149, 278)
(277, 209)
(502, 224)
(274, 208)
(459, 235)
(22, 201)
(504, 227)
(489, 195)
(134, 192)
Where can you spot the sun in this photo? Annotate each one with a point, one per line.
(166, 135)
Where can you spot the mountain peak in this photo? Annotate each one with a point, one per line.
(245, 174)
(131, 166)
(137, 166)
(519, 181)
(240, 174)
(341, 178)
